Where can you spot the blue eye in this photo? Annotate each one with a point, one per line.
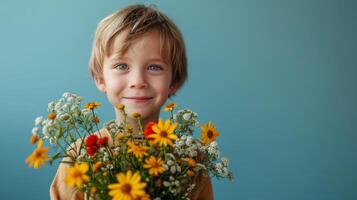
(121, 67)
(155, 67)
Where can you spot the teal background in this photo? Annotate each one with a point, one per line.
(277, 77)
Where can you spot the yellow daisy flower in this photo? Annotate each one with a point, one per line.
(170, 106)
(38, 156)
(136, 115)
(76, 175)
(92, 105)
(138, 150)
(120, 106)
(154, 165)
(208, 133)
(129, 186)
(164, 133)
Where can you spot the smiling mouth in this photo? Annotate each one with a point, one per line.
(138, 98)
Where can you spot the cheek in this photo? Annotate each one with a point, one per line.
(115, 85)
(162, 85)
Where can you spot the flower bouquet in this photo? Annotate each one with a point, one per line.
(163, 161)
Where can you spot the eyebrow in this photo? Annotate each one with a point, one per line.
(118, 57)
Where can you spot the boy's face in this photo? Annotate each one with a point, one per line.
(140, 79)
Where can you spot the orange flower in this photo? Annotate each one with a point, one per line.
(170, 106)
(92, 105)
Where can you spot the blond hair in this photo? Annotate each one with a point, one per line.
(133, 22)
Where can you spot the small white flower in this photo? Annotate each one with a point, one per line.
(171, 178)
(187, 116)
(53, 140)
(170, 162)
(219, 166)
(58, 106)
(66, 106)
(225, 161)
(177, 183)
(193, 153)
(51, 105)
(38, 120)
(189, 141)
(213, 144)
(178, 168)
(173, 169)
(166, 183)
(70, 99)
(34, 130)
(66, 95)
(225, 171)
(45, 130)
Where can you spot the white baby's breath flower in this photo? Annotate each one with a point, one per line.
(110, 166)
(45, 130)
(166, 183)
(34, 130)
(53, 140)
(86, 112)
(171, 178)
(187, 116)
(225, 171)
(170, 162)
(199, 165)
(178, 168)
(213, 144)
(193, 153)
(70, 99)
(38, 120)
(51, 106)
(219, 166)
(173, 169)
(58, 106)
(66, 95)
(225, 161)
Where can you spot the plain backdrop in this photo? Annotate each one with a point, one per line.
(277, 77)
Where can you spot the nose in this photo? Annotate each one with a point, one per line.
(138, 80)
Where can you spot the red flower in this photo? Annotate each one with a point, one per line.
(91, 150)
(91, 144)
(148, 130)
(103, 141)
(91, 140)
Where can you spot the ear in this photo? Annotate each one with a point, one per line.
(100, 83)
(173, 89)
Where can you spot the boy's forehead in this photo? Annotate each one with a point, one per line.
(121, 45)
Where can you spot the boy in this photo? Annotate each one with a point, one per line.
(139, 60)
